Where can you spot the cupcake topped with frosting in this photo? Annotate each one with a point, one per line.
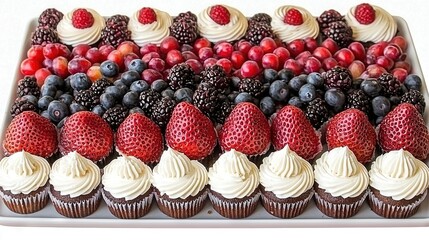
(149, 25)
(80, 26)
(292, 22)
(221, 22)
(371, 23)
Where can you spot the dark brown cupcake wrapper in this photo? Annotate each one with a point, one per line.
(235, 209)
(28, 204)
(132, 210)
(181, 208)
(77, 209)
(287, 209)
(387, 210)
(339, 210)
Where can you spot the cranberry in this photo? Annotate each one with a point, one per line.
(47, 63)
(356, 68)
(249, 69)
(105, 50)
(186, 47)
(60, 66)
(81, 49)
(302, 57)
(117, 57)
(321, 53)
(209, 62)
(51, 51)
(310, 44)
(244, 46)
(329, 63)
(237, 59)
(385, 62)
(189, 55)
(296, 47)
(30, 66)
(205, 53)
(268, 45)
(375, 71)
(196, 66)
(128, 47)
(403, 64)
(344, 57)
(375, 51)
(270, 60)
(312, 65)
(168, 44)
(174, 57)
(128, 58)
(200, 43)
(401, 42)
(157, 64)
(224, 50)
(35, 52)
(94, 73)
(41, 75)
(331, 45)
(256, 53)
(63, 50)
(147, 48)
(150, 75)
(400, 74)
(283, 55)
(294, 66)
(78, 65)
(358, 50)
(94, 55)
(148, 56)
(225, 64)
(393, 52)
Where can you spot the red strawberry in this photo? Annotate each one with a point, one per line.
(352, 128)
(189, 131)
(82, 18)
(404, 128)
(219, 14)
(147, 15)
(246, 130)
(88, 134)
(291, 127)
(293, 17)
(364, 13)
(32, 133)
(138, 136)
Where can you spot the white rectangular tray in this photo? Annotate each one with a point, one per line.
(208, 217)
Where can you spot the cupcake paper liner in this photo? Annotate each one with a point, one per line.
(28, 204)
(286, 210)
(231, 208)
(181, 208)
(131, 210)
(339, 210)
(387, 210)
(77, 208)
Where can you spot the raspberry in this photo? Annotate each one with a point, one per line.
(219, 14)
(82, 19)
(365, 13)
(147, 15)
(293, 17)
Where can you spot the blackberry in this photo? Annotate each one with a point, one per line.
(186, 16)
(44, 35)
(359, 100)
(340, 32)
(147, 100)
(258, 31)
(99, 86)
(115, 116)
(252, 86)
(20, 105)
(216, 76)
(416, 98)
(338, 77)
(317, 112)
(180, 76)
(390, 85)
(162, 110)
(206, 98)
(184, 30)
(223, 112)
(329, 16)
(28, 86)
(116, 30)
(261, 17)
(87, 98)
(50, 18)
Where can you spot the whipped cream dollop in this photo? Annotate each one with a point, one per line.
(74, 175)
(339, 173)
(383, 28)
(286, 174)
(214, 32)
(23, 172)
(287, 32)
(233, 175)
(398, 174)
(70, 35)
(155, 32)
(178, 176)
(126, 177)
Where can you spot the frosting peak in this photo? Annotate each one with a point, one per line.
(342, 162)
(174, 164)
(24, 164)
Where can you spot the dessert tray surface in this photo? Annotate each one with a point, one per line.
(208, 217)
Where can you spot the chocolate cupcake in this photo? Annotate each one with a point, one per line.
(398, 184)
(24, 182)
(127, 187)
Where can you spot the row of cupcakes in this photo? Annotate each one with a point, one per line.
(218, 23)
(395, 185)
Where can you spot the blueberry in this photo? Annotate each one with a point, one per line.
(76, 107)
(58, 94)
(285, 74)
(167, 93)
(99, 110)
(335, 98)
(130, 76)
(279, 90)
(183, 95)
(121, 86)
(109, 68)
(316, 79)
(61, 123)
(55, 81)
(107, 100)
(130, 100)
(413, 81)
(48, 90)
(44, 101)
(57, 111)
(270, 75)
(243, 97)
(265, 89)
(66, 98)
(136, 110)
(232, 95)
(80, 81)
(137, 65)
(139, 86)
(159, 85)
(307, 92)
(378, 120)
(235, 82)
(295, 101)
(67, 86)
(31, 98)
(114, 91)
(371, 87)
(356, 83)
(380, 106)
(267, 106)
(296, 83)
(45, 114)
(395, 100)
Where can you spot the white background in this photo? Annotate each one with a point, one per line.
(15, 16)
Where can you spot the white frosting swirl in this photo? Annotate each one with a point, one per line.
(233, 175)
(127, 177)
(383, 28)
(286, 174)
(398, 174)
(74, 175)
(339, 173)
(288, 33)
(214, 32)
(70, 35)
(178, 176)
(155, 32)
(23, 172)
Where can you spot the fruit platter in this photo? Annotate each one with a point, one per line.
(215, 118)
